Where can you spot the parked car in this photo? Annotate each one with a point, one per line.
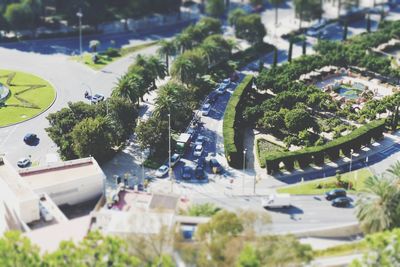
(317, 29)
(186, 173)
(200, 140)
(220, 90)
(205, 110)
(212, 97)
(198, 150)
(44, 213)
(23, 163)
(30, 138)
(175, 159)
(199, 172)
(215, 166)
(226, 82)
(97, 98)
(342, 202)
(163, 170)
(335, 193)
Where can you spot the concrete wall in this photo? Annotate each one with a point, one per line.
(76, 191)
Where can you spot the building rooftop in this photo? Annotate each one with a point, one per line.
(14, 182)
(56, 173)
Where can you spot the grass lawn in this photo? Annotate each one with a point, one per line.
(105, 60)
(32, 101)
(263, 147)
(320, 186)
(341, 250)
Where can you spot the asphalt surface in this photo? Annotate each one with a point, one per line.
(70, 45)
(307, 212)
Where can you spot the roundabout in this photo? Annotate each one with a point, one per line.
(23, 96)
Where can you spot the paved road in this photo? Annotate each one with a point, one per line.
(69, 79)
(308, 212)
(70, 45)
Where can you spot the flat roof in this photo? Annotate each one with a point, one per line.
(58, 173)
(11, 177)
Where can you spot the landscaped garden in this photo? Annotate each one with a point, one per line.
(99, 60)
(24, 96)
(319, 111)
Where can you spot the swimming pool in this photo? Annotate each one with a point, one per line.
(349, 93)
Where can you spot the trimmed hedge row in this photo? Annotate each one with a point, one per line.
(233, 143)
(317, 154)
(242, 58)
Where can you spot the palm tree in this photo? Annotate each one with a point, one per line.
(377, 204)
(276, 3)
(167, 49)
(129, 86)
(151, 67)
(183, 69)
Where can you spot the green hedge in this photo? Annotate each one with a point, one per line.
(304, 157)
(243, 58)
(233, 141)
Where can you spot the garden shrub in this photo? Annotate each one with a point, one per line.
(233, 140)
(304, 157)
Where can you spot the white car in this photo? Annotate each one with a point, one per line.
(200, 140)
(205, 110)
(226, 82)
(198, 150)
(23, 163)
(220, 90)
(163, 170)
(317, 28)
(175, 159)
(97, 98)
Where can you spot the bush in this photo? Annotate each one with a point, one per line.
(233, 143)
(242, 58)
(111, 52)
(354, 140)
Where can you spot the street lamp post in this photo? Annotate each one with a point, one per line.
(169, 153)
(254, 189)
(244, 168)
(79, 14)
(351, 157)
(142, 168)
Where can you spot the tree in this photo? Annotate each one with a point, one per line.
(129, 86)
(276, 4)
(345, 30)
(215, 8)
(152, 67)
(92, 137)
(250, 28)
(248, 257)
(234, 15)
(368, 23)
(167, 49)
(153, 134)
(304, 46)
(290, 52)
(94, 45)
(189, 66)
(216, 48)
(206, 210)
(376, 207)
(19, 16)
(307, 10)
(297, 120)
(383, 249)
(17, 250)
(275, 60)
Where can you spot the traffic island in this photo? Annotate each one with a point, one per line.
(23, 96)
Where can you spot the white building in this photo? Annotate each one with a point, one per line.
(69, 182)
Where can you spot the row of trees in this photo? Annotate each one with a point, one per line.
(29, 14)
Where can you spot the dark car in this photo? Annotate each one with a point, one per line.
(342, 202)
(199, 172)
(215, 166)
(335, 193)
(187, 173)
(212, 97)
(30, 138)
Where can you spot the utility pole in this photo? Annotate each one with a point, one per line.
(169, 153)
(79, 14)
(244, 168)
